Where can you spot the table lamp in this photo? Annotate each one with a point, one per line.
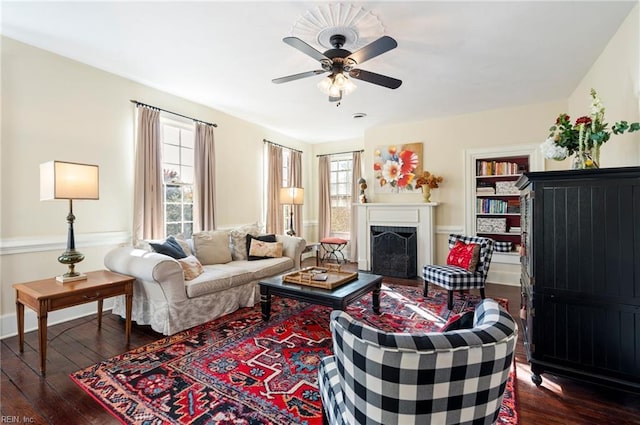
(69, 180)
(291, 196)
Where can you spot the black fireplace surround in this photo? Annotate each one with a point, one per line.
(394, 251)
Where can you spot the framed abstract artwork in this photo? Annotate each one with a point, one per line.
(395, 167)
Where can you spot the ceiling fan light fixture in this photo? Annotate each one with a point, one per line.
(336, 85)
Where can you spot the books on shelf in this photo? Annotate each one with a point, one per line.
(496, 168)
(515, 229)
(491, 206)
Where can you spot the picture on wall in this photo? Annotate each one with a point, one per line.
(395, 167)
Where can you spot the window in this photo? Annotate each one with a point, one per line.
(177, 165)
(340, 176)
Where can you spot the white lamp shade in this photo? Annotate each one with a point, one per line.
(68, 180)
(292, 195)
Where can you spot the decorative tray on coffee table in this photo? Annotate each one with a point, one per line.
(329, 277)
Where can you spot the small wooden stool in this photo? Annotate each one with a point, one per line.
(332, 247)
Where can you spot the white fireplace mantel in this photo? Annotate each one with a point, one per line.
(420, 216)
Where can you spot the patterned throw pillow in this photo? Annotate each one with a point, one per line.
(263, 238)
(464, 255)
(265, 249)
(191, 267)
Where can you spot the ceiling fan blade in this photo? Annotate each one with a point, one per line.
(372, 77)
(298, 76)
(305, 48)
(373, 49)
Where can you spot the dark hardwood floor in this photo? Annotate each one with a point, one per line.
(26, 397)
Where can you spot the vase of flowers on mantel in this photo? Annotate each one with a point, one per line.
(427, 181)
(583, 139)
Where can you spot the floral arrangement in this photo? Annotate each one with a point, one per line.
(585, 136)
(427, 179)
(395, 168)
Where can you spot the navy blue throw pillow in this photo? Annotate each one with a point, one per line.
(170, 247)
(263, 238)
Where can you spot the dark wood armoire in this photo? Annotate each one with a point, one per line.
(580, 279)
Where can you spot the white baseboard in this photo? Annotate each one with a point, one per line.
(9, 324)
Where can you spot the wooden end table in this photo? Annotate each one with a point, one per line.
(43, 296)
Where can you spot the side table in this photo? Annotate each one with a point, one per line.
(43, 296)
(312, 246)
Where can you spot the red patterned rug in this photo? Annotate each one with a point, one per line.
(239, 370)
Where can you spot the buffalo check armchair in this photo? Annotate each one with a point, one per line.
(455, 377)
(454, 278)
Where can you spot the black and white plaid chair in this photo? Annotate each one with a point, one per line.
(454, 278)
(455, 377)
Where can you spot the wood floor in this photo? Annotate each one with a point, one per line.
(26, 397)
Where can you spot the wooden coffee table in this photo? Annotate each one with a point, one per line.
(43, 296)
(337, 298)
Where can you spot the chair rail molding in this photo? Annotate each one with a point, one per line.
(27, 244)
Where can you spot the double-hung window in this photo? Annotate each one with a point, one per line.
(340, 177)
(177, 164)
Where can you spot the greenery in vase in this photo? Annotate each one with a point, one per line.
(587, 134)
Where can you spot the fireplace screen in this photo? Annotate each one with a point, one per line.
(394, 251)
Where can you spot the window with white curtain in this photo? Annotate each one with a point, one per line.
(177, 140)
(340, 176)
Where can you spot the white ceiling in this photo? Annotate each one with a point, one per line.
(453, 57)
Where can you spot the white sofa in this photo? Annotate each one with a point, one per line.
(163, 299)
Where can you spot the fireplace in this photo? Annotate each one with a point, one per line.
(419, 216)
(394, 251)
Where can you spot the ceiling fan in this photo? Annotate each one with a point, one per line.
(339, 61)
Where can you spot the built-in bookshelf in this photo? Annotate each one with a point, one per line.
(490, 193)
(497, 199)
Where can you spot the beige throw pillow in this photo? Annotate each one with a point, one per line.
(212, 247)
(191, 267)
(265, 249)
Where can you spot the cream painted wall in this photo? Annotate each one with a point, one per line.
(616, 77)
(56, 108)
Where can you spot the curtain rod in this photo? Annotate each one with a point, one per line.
(174, 113)
(339, 153)
(282, 146)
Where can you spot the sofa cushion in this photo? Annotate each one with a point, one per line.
(169, 247)
(216, 278)
(263, 238)
(267, 267)
(212, 247)
(239, 240)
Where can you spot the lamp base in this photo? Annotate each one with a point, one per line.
(66, 279)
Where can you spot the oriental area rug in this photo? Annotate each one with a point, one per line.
(240, 370)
